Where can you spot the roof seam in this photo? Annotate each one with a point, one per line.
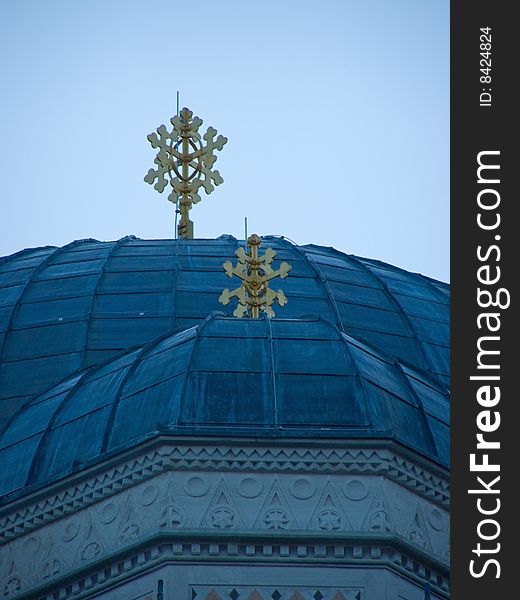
(273, 373)
(436, 301)
(89, 318)
(420, 405)
(433, 287)
(5, 426)
(176, 268)
(198, 329)
(117, 400)
(37, 454)
(383, 356)
(428, 282)
(400, 310)
(359, 377)
(324, 284)
(115, 404)
(16, 309)
(393, 362)
(16, 255)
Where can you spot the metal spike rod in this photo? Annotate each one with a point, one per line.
(185, 161)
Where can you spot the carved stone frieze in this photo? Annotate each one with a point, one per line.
(35, 510)
(212, 504)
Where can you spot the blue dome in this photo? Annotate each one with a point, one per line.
(65, 309)
(294, 378)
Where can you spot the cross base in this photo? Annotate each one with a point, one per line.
(185, 229)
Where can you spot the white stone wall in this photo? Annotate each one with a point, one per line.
(348, 510)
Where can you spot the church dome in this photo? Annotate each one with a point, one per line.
(65, 309)
(226, 377)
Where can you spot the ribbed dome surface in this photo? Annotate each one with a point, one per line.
(226, 376)
(63, 309)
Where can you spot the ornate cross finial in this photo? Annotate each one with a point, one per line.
(254, 295)
(187, 162)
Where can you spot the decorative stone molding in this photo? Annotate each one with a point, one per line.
(128, 469)
(83, 584)
(282, 516)
(279, 592)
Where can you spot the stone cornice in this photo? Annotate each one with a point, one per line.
(163, 453)
(369, 550)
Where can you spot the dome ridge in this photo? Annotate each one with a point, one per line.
(395, 303)
(106, 261)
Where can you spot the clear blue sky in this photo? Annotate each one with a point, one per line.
(337, 114)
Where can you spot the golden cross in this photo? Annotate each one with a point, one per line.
(255, 272)
(187, 162)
